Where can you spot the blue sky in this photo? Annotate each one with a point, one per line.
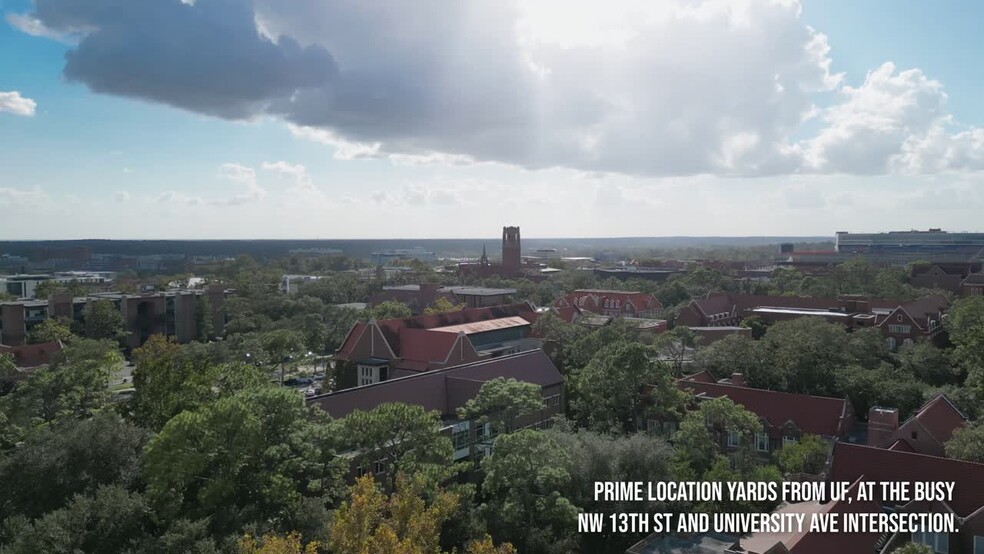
(570, 120)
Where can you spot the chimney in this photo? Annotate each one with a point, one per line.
(738, 379)
(428, 294)
(882, 425)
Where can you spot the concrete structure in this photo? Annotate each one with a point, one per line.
(290, 284)
(23, 286)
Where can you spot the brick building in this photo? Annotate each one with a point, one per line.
(785, 417)
(901, 322)
(511, 265)
(173, 313)
(612, 303)
(419, 297)
(375, 351)
(925, 432)
(447, 389)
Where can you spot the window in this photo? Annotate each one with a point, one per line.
(359, 471)
(789, 439)
(368, 375)
(978, 545)
(379, 467)
(734, 439)
(762, 442)
(939, 542)
(552, 401)
(461, 436)
(899, 318)
(900, 329)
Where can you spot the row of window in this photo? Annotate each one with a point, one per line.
(761, 441)
(900, 329)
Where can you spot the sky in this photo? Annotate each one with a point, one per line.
(215, 119)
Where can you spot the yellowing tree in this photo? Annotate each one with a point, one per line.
(402, 523)
(276, 544)
(443, 305)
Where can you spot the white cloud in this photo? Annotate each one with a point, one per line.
(245, 176)
(16, 104)
(17, 196)
(121, 196)
(33, 26)
(344, 149)
(175, 197)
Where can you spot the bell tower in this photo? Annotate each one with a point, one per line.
(511, 250)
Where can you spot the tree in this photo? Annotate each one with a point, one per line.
(73, 385)
(44, 289)
(675, 344)
(248, 458)
(391, 309)
(808, 455)
(621, 386)
(282, 346)
(928, 363)
(169, 379)
(74, 457)
(595, 457)
(111, 520)
(913, 548)
(885, 385)
(403, 523)
(50, 330)
(277, 544)
(702, 433)
(965, 325)
(203, 319)
(524, 479)
(732, 354)
(104, 321)
(801, 356)
(758, 326)
(443, 305)
(501, 402)
(404, 438)
(967, 443)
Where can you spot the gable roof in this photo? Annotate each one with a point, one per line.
(939, 417)
(851, 461)
(444, 389)
(815, 415)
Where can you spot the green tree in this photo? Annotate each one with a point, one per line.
(595, 457)
(73, 385)
(248, 458)
(111, 520)
(703, 432)
(913, 548)
(525, 477)
(442, 306)
(74, 457)
(929, 364)
(391, 309)
(732, 354)
(169, 379)
(809, 455)
(621, 387)
(965, 325)
(801, 356)
(281, 347)
(44, 289)
(103, 321)
(502, 402)
(404, 438)
(967, 443)
(50, 330)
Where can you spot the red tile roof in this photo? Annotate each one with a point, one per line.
(940, 417)
(815, 415)
(443, 389)
(426, 346)
(852, 461)
(902, 445)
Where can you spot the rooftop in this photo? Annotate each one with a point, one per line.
(484, 326)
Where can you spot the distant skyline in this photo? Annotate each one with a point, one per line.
(349, 119)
